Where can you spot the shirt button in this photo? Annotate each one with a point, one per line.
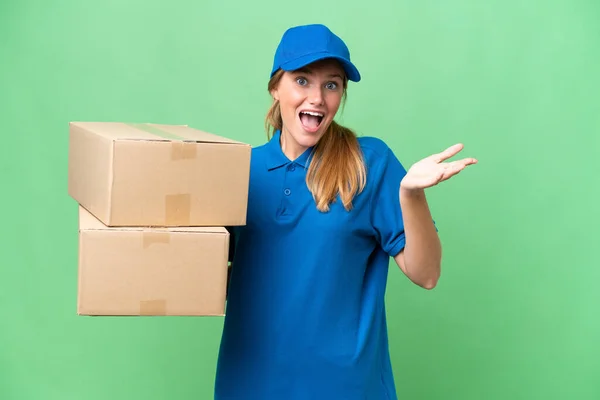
(287, 192)
(292, 167)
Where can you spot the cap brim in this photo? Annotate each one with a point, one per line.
(351, 71)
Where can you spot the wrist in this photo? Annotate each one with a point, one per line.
(411, 196)
(407, 192)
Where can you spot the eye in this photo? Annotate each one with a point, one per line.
(301, 81)
(331, 85)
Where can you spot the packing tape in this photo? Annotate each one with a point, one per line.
(180, 148)
(156, 131)
(150, 238)
(153, 307)
(183, 150)
(177, 209)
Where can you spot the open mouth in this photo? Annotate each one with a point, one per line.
(311, 120)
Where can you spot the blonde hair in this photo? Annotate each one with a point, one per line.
(336, 167)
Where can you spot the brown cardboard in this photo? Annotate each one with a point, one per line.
(157, 175)
(151, 271)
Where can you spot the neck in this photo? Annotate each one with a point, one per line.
(289, 146)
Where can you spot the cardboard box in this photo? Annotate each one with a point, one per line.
(158, 175)
(151, 271)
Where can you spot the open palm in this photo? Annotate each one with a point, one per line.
(432, 170)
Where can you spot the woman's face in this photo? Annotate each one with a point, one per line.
(309, 99)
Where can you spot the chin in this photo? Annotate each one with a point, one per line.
(308, 138)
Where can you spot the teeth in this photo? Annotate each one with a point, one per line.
(316, 114)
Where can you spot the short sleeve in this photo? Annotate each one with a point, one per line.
(386, 214)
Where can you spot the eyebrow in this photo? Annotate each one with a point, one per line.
(306, 70)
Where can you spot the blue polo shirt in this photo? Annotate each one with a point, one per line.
(305, 313)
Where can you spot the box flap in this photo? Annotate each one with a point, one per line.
(88, 222)
(154, 132)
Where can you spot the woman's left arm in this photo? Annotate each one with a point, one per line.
(421, 257)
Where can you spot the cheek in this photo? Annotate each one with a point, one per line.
(290, 102)
(295, 98)
(287, 110)
(333, 102)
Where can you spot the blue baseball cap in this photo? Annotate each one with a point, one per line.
(305, 44)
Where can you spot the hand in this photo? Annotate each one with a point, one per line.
(432, 170)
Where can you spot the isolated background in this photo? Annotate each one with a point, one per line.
(516, 314)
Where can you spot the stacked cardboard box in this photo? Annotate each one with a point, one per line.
(153, 203)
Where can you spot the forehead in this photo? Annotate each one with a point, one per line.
(326, 67)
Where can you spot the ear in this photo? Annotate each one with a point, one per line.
(275, 94)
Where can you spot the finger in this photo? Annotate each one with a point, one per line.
(455, 167)
(449, 152)
(466, 161)
(450, 172)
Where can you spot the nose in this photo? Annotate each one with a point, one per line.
(315, 96)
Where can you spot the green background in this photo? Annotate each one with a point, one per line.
(516, 313)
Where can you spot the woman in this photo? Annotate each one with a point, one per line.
(326, 211)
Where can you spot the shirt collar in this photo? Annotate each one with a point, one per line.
(276, 158)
